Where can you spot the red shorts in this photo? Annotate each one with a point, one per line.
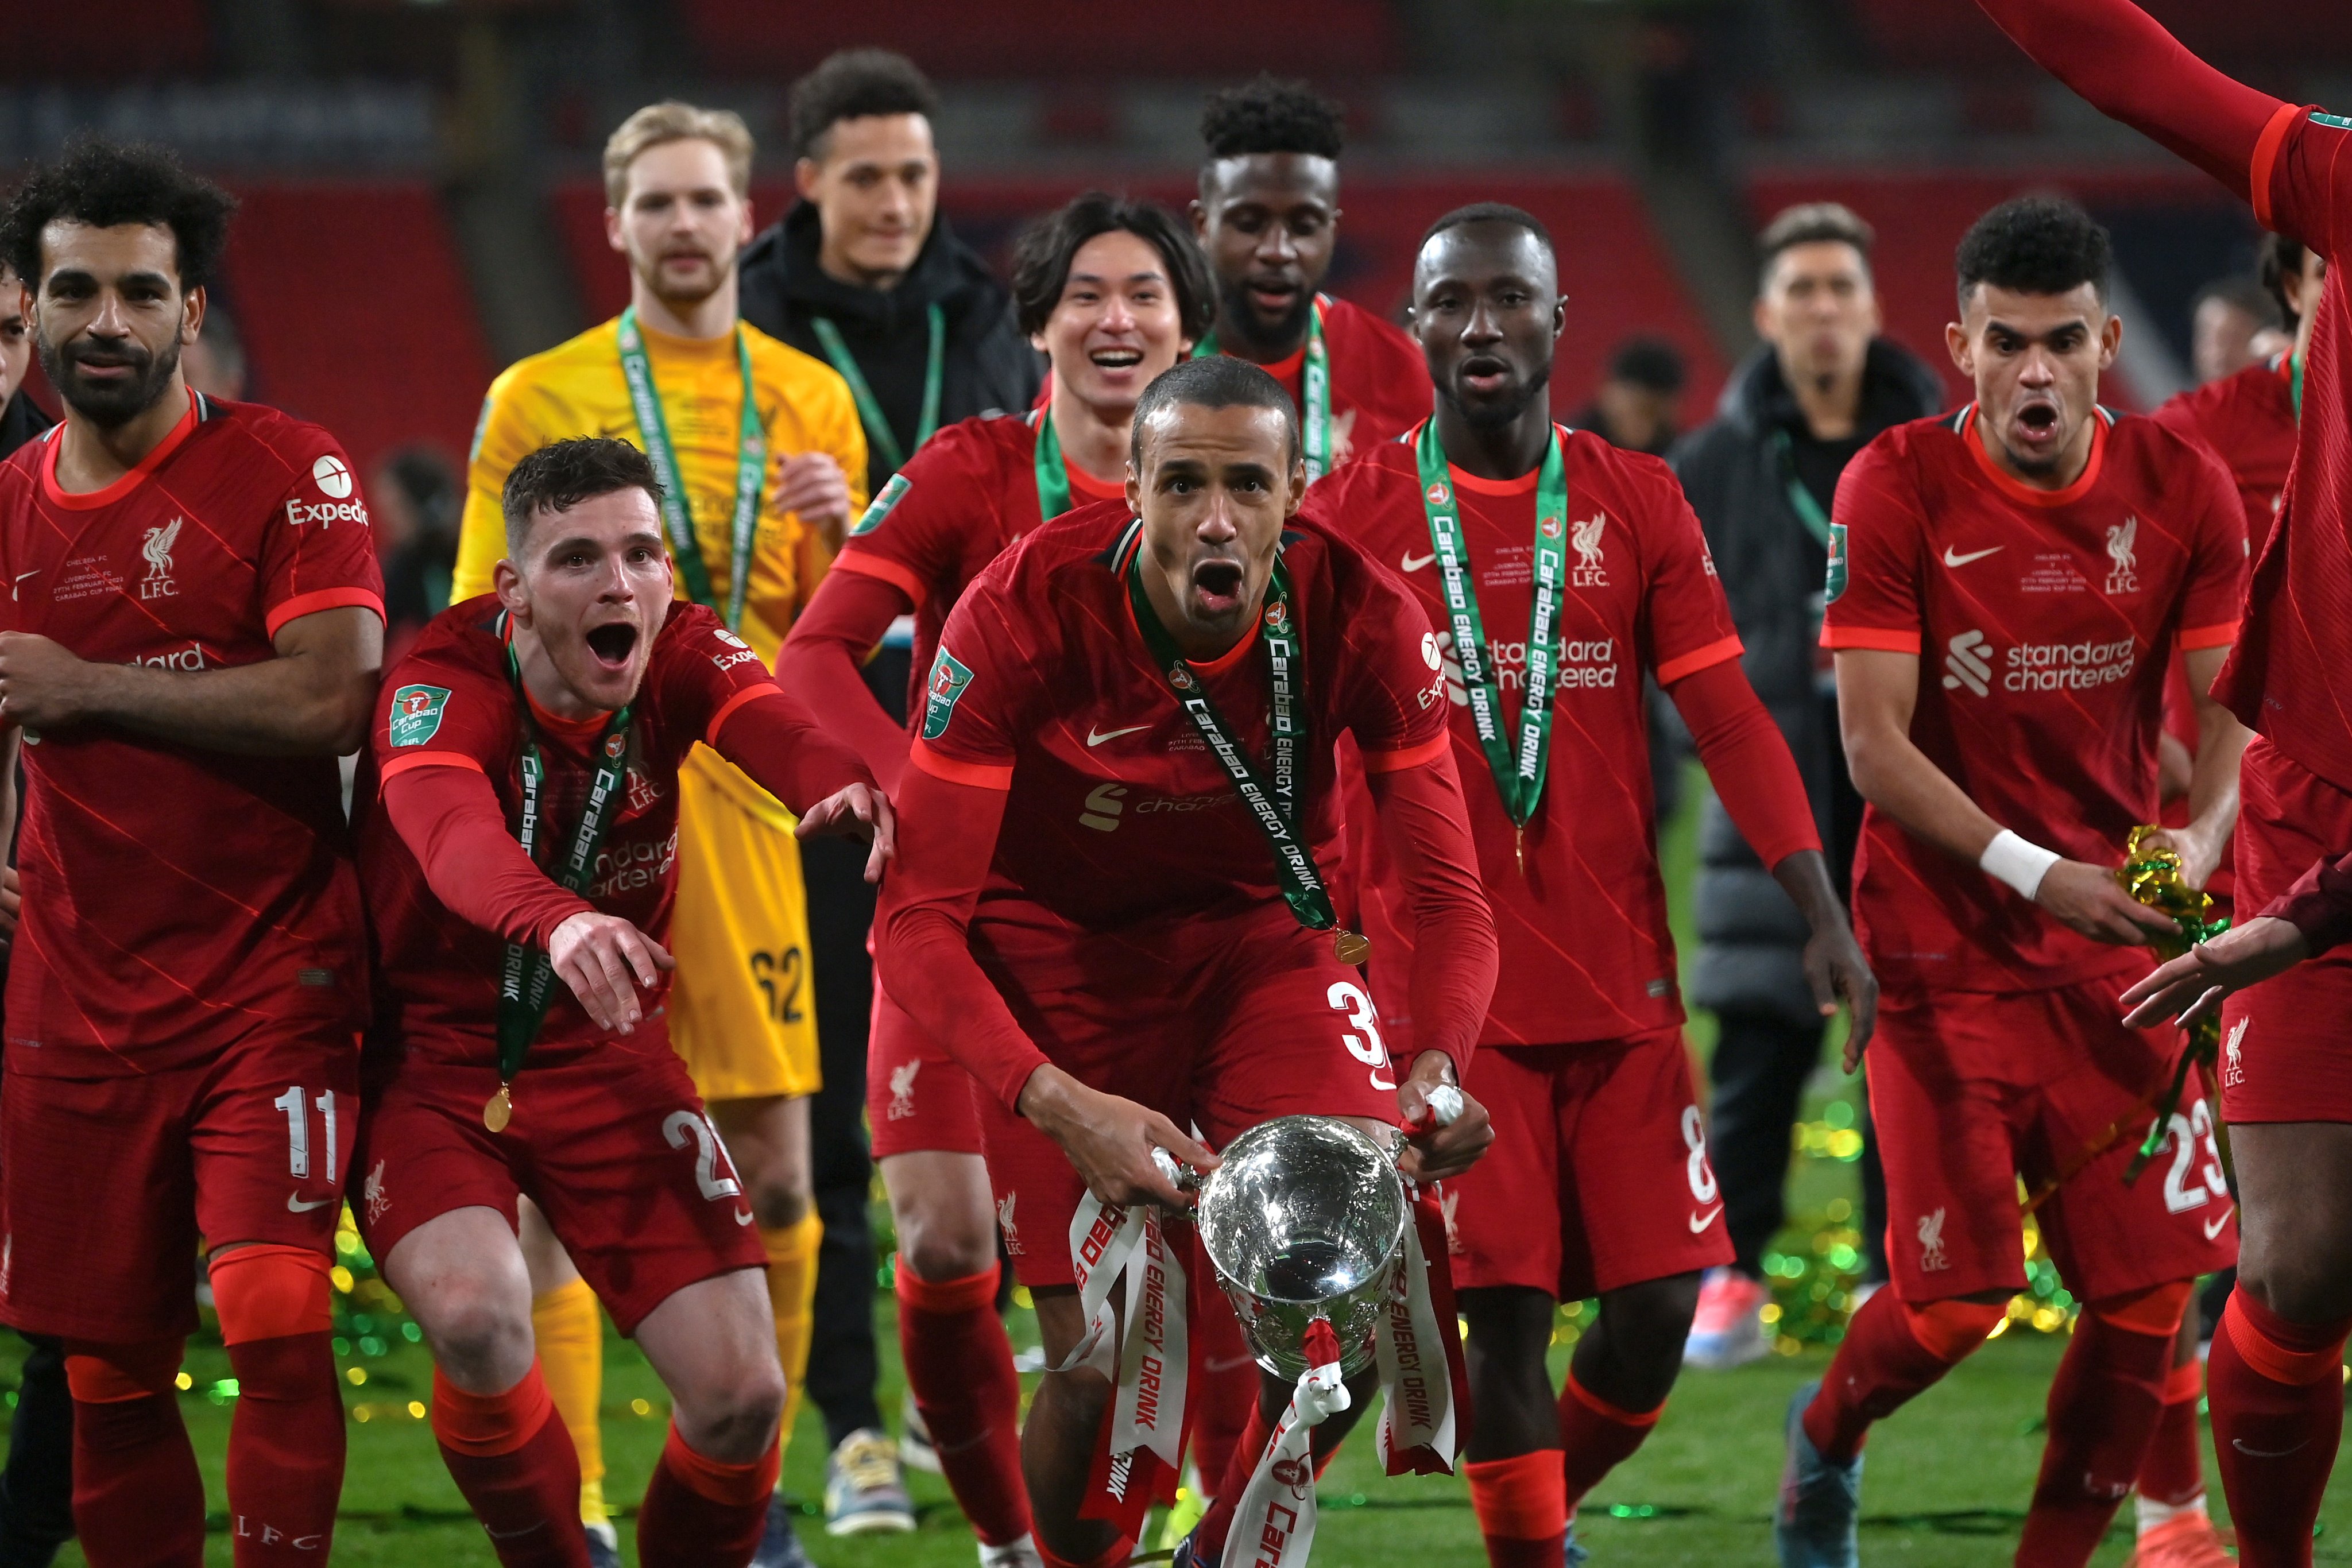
(1970, 1091)
(1599, 1176)
(613, 1146)
(106, 1184)
(2286, 1044)
(916, 1095)
(1264, 1026)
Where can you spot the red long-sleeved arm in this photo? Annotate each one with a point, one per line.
(2125, 66)
(2319, 905)
(776, 741)
(819, 661)
(923, 931)
(450, 819)
(1426, 825)
(1747, 761)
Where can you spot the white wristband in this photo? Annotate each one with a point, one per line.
(2017, 862)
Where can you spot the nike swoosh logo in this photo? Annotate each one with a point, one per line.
(2239, 1443)
(1095, 737)
(1699, 1222)
(512, 1534)
(744, 1219)
(1951, 559)
(1412, 563)
(295, 1204)
(2215, 1228)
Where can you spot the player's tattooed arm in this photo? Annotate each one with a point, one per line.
(2212, 776)
(314, 699)
(1877, 689)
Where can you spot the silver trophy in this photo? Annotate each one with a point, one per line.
(1303, 1220)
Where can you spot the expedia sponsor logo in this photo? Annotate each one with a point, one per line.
(326, 514)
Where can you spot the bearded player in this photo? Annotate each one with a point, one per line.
(1113, 292)
(763, 462)
(2047, 557)
(2274, 1378)
(192, 635)
(1268, 216)
(1091, 912)
(1599, 1183)
(557, 713)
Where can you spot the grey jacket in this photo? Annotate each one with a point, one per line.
(1752, 938)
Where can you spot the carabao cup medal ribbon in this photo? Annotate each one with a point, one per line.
(2152, 873)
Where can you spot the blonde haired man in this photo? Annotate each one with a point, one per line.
(758, 448)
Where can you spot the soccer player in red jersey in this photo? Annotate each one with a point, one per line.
(1110, 903)
(2006, 585)
(1268, 218)
(1113, 292)
(2276, 1389)
(192, 632)
(563, 705)
(1599, 1182)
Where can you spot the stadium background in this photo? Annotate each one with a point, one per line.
(421, 207)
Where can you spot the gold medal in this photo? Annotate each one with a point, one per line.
(1350, 947)
(1520, 846)
(497, 1110)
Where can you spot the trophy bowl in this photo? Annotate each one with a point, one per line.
(1304, 1219)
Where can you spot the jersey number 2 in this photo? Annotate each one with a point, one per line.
(709, 1153)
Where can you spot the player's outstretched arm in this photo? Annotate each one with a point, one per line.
(314, 699)
(922, 954)
(1426, 825)
(1877, 691)
(1757, 779)
(2213, 776)
(2195, 984)
(820, 662)
(775, 741)
(2117, 58)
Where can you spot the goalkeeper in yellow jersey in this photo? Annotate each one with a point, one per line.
(758, 448)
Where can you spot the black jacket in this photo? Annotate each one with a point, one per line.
(21, 420)
(1752, 938)
(990, 366)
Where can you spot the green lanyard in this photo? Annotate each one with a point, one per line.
(1314, 393)
(1518, 769)
(750, 473)
(2296, 383)
(1278, 805)
(869, 412)
(526, 978)
(1801, 500)
(1053, 475)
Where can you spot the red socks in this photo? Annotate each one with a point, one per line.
(511, 1457)
(1597, 1436)
(286, 1438)
(960, 1369)
(701, 1514)
(1891, 1353)
(2173, 1473)
(2277, 1392)
(1522, 1508)
(2102, 1410)
(137, 1498)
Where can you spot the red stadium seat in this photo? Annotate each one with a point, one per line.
(357, 314)
(1618, 278)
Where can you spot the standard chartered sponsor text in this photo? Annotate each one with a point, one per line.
(2067, 666)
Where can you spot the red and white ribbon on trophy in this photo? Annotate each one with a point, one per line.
(1143, 1430)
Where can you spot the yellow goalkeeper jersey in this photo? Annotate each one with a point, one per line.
(576, 389)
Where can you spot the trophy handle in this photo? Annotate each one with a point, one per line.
(1444, 1110)
(1183, 1177)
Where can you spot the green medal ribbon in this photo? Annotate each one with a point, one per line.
(1278, 804)
(1801, 500)
(1314, 393)
(1518, 768)
(878, 433)
(2296, 383)
(1053, 475)
(526, 978)
(750, 473)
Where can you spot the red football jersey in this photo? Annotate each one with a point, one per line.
(2286, 675)
(968, 495)
(2248, 419)
(176, 897)
(450, 703)
(1586, 954)
(2044, 620)
(1380, 382)
(1121, 824)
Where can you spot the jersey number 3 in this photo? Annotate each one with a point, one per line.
(1366, 1047)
